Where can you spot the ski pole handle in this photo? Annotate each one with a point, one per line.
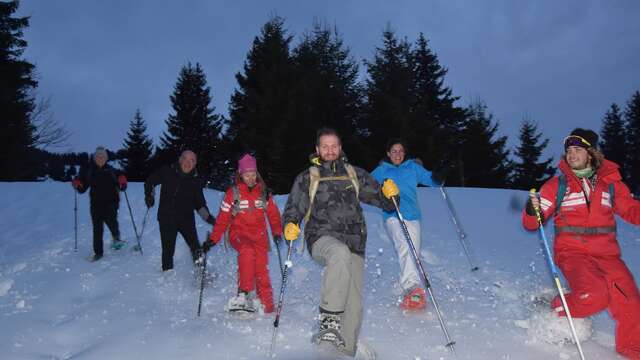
(533, 192)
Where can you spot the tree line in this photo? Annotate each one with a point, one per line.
(286, 91)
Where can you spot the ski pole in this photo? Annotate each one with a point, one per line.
(556, 277)
(135, 230)
(450, 343)
(144, 224)
(75, 219)
(203, 276)
(462, 236)
(279, 258)
(276, 322)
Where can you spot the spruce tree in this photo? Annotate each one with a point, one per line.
(632, 120)
(390, 94)
(436, 121)
(327, 94)
(137, 150)
(194, 125)
(613, 138)
(17, 83)
(261, 108)
(528, 172)
(484, 160)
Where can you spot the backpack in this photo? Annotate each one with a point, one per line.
(562, 189)
(314, 181)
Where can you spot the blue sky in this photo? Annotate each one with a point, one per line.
(560, 63)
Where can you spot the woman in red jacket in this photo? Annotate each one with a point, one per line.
(585, 247)
(242, 212)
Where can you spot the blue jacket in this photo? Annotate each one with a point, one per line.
(407, 176)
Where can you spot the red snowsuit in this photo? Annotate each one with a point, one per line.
(248, 236)
(591, 262)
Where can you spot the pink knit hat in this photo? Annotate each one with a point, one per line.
(247, 163)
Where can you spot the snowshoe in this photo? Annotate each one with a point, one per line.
(414, 300)
(241, 304)
(365, 352)
(94, 258)
(117, 244)
(329, 336)
(546, 325)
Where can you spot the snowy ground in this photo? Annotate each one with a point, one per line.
(54, 304)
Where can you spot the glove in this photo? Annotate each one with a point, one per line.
(207, 245)
(277, 239)
(533, 203)
(76, 183)
(291, 231)
(211, 220)
(122, 181)
(390, 189)
(149, 200)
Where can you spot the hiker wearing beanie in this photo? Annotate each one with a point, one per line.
(180, 194)
(242, 214)
(105, 184)
(585, 246)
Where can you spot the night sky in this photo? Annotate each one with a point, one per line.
(560, 63)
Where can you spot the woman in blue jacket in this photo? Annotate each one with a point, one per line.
(407, 173)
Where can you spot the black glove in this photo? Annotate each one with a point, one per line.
(207, 245)
(529, 208)
(277, 239)
(149, 200)
(211, 220)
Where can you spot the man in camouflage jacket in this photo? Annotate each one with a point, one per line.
(336, 234)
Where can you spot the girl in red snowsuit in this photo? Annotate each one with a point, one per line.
(585, 247)
(244, 215)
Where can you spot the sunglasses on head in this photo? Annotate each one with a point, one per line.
(575, 140)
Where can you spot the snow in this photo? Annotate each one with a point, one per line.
(55, 304)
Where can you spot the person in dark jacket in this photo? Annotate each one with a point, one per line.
(336, 234)
(180, 194)
(105, 184)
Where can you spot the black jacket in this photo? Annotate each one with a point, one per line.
(103, 183)
(180, 193)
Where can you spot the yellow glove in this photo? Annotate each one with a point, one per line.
(291, 231)
(390, 189)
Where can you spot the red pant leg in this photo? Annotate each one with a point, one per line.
(624, 306)
(263, 283)
(246, 267)
(588, 284)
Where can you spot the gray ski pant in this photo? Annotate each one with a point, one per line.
(341, 286)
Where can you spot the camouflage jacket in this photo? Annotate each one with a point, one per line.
(335, 211)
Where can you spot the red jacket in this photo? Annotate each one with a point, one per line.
(596, 212)
(249, 223)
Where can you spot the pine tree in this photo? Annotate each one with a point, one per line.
(17, 132)
(327, 94)
(632, 120)
(137, 150)
(483, 161)
(528, 172)
(261, 108)
(613, 139)
(436, 121)
(194, 125)
(390, 95)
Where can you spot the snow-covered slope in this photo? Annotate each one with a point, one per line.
(54, 304)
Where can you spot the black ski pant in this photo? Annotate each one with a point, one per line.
(169, 232)
(104, 214)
